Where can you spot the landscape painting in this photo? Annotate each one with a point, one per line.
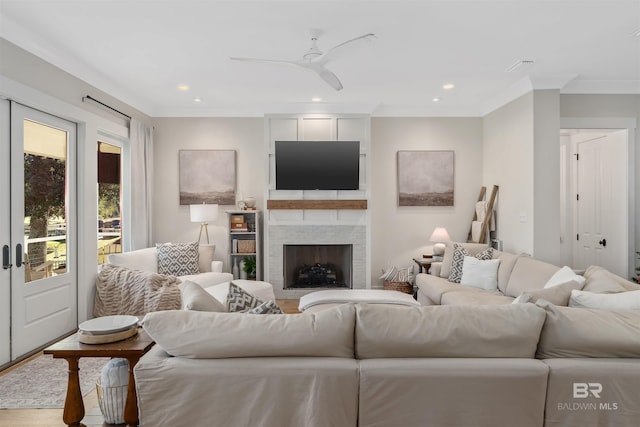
(207, 176)
(425, 178)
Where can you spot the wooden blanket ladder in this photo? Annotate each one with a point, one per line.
(487, 218)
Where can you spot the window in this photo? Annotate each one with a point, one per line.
(109, 200)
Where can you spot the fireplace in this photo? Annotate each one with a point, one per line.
(318, 266)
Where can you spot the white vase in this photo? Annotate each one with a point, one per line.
(235, 270)
(243, 274)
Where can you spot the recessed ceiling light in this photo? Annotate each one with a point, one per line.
(436, 99)
(183, 87)
(197, 99)
(316, 99)
(448, 86)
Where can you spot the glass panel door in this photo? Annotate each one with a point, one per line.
(43, 278)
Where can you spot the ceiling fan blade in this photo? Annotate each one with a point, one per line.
(270, 61)
(328, 55)
(327, 76)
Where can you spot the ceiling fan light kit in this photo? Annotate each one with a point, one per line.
(314, 59)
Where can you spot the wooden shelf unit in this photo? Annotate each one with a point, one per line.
(252, 218)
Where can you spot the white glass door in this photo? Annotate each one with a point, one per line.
(5, 243)
(43, 238)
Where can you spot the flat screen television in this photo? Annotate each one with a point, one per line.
(317, 165)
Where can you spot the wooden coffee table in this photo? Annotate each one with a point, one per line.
(72, 350)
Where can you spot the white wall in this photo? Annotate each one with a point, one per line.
(507, 160)
(402, 233)
(171, 221)
(546, 175)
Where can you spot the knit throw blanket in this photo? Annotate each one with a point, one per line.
(120, 290)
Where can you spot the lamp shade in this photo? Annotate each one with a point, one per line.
(204, 213)
(440, 235)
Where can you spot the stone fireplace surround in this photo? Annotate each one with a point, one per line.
(280, 235)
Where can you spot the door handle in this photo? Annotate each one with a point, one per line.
(18, 255)
(603, 242)
(5, 257)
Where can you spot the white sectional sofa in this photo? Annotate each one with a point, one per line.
(386, 366)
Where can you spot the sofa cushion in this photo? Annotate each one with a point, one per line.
(617, 405)
(435, 287)
(564, 275)
(177, 259)
(474, 298)
(204, 335)
(619, 301)
(141, 259)
(556, 295)
(197, 299)
(582, 332)
(457, 261)
(482, 274)
(447, 331)
(601, 280)
(529, 274)
(471, 248)
(507, 262)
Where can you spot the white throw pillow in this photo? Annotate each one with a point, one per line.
(481, 274)
(564, 275)
(197, 299)
(620, 301)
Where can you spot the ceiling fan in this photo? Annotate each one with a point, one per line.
(314, 59)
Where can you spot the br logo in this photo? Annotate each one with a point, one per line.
(584, 390)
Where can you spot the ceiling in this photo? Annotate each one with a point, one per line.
(140, 51)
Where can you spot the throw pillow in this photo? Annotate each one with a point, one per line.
(556, 295)
(177, 259)
(629, 300)
(195, 298)
(480, 274)
(240, 300)
(459, 253)
(564, 275)
(267, 307)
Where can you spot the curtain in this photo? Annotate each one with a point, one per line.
(141, 139)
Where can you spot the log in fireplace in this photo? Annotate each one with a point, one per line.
(318, 266)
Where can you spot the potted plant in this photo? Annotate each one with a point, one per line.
(250, 267)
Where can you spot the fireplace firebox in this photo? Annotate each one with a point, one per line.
(318, 266)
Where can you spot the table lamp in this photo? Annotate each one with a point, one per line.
(203, 214)
(439, 237)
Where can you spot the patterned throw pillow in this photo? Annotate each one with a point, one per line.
(267, 307)
(177, 259)
(458, 260)
(240, 300)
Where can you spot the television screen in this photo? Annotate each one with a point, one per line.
(317, 165)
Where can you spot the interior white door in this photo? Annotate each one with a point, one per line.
(602, 203)
(5, 243)
(43, 195)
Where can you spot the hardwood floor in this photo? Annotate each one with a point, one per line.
(93, 416)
